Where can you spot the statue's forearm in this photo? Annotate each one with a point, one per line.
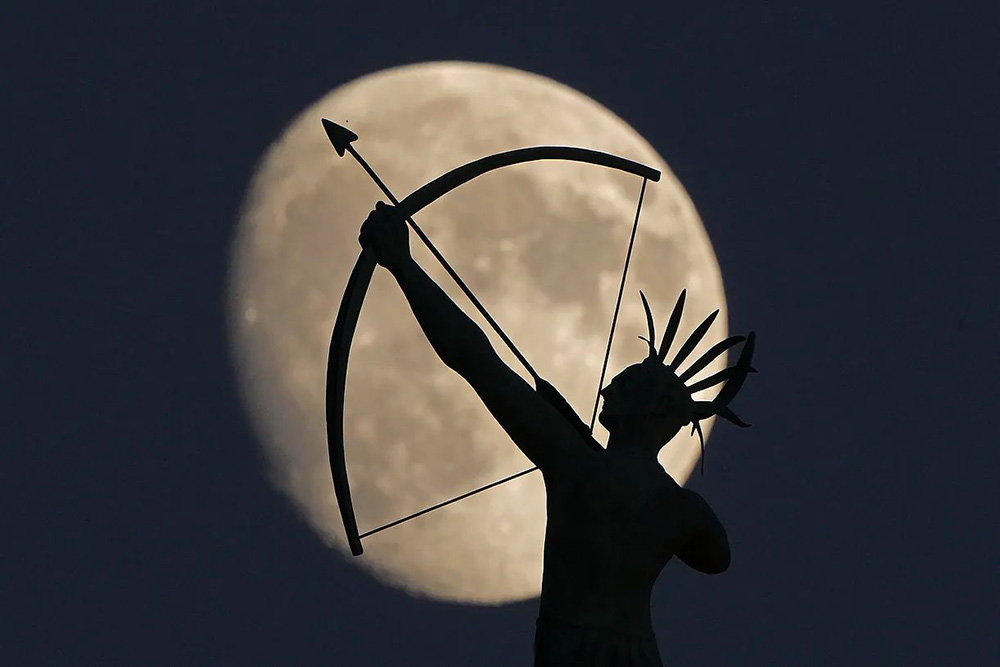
(454, 336)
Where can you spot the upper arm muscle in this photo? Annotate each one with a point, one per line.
(536, 427)
(707, 546)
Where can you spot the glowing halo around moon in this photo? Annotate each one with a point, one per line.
(541, 244)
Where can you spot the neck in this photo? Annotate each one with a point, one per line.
(642, 440)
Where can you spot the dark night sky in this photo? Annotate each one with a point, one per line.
(845, 164)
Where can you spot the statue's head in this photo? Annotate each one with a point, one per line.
(654, 393)
(647, 391)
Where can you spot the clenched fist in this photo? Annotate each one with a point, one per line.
(384, 232)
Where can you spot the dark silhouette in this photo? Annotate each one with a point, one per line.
(615, 517)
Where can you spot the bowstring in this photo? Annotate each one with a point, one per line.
(607, 356)
(618, 305)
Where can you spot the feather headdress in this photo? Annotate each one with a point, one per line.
(733, 376)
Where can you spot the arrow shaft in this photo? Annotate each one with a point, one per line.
(444, 263)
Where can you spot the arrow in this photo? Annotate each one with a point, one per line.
(343, 140)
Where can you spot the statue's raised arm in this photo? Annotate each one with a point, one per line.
(545, 436)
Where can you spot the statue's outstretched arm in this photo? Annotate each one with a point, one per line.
(533, 424)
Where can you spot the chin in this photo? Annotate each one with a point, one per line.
(606, 420)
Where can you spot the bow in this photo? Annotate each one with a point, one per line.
(357, 287)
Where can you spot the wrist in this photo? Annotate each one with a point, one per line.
(401, 266)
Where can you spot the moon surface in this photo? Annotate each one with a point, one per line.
(541, 244)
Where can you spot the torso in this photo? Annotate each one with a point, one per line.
(613, 523)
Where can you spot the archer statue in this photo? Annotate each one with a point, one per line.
(615, 517)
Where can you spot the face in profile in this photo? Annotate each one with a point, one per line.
(645, 391)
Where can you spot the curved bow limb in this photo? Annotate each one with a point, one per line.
(336, 385)
(445, 183)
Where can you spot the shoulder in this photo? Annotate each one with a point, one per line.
(692, 499)
(578, 464)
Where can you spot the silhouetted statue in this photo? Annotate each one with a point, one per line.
(615, 517)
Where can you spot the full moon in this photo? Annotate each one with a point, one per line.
(541, 244)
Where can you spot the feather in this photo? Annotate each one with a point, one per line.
(693, 340)
(710, 356)
(672, 324)
(730, 416)
(649, 324)
(729, 391)
(701, 439)
(714, 379)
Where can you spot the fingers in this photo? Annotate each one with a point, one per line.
(384, 233)
(382, 211)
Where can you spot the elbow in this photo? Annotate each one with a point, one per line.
(719, 563)
(707, 555)
(710, 564)
(721, 556)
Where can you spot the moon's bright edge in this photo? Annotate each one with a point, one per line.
(541, 244)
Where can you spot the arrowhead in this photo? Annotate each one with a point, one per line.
(339, 135)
